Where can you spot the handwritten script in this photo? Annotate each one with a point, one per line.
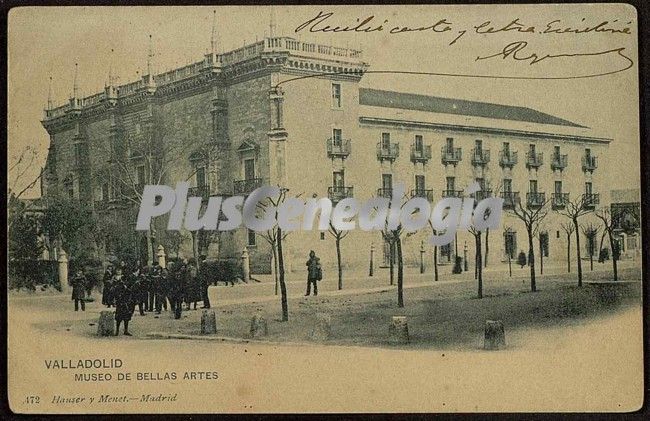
(519, 51)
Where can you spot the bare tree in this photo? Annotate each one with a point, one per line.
(509, 250)
(610, 222)
(590, 231)
(435, 253)
(479, 255)
(574, 209)
(338, 236)
(568, 228)
(19, 181)
(532, 218)
(393, 238)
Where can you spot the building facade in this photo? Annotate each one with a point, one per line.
(293, 114)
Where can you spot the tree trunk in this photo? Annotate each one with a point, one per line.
(510, 264)
(400, 274)
(435, 263)
(338, 260)
(476, 262)
(150, 246)
(283, 286)
(479, 265)
(614, 257)
(487, 247)
(531, 260)
(391, 260)
(568, 252)
(275, 266)
(575, 224)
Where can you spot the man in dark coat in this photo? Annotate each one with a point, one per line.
(314, 273)
(176, 292)
(107, 294)
(123, 302)
(193, 286)
(158, 288)
(78, 283)
(139, 286)
(204, 280)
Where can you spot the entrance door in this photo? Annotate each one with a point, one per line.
(249, 169)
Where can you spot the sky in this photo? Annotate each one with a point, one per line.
(46, 42)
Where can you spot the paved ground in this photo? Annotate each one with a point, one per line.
(590, 361)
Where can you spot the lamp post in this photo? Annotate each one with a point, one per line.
(372, 252)
(422, 250)
(465, 255)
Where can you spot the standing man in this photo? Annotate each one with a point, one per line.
(205, 284)
(107, 293)
(123, 302)
(79, 290)
(314, 273)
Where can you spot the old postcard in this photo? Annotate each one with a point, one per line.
(323, 209)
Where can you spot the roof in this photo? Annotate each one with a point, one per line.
(401, 100)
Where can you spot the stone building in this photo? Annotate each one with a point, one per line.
(291, 113)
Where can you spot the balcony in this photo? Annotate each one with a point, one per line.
(424, 193)
(451, 155)
(589, 163)
(482, 194)
(422, 155)
(559, 200)
(388, 152)
(338, 193)
(534, 160)
(507, 159)
(559, 162)
(590, 200)
(480, 157)
(199, 191)
(246, 186)
(452, 193)
(386, 192)
(339, 148)
(510, 199)
(535, 199)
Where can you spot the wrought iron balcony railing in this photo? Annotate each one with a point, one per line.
(420, 155)
(482, 194)
(246, 186)
(559, 200)
(389, 152)
(424, 193)
(339, 148)
(480, 157)
(590, 200)
(385, 192)
(451, 155)
(507, 159)
(510, 199)
(534, 160)
(452, 193)
(559, 162)
(199, 191)
(535, 199)
(338, 193)
(589, 163)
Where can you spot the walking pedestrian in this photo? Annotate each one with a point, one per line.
(123, 301)
(78, 283)
(314, 273)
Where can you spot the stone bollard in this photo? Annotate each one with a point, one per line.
(322, 330)
(259, 327)
(106, 323)
(208, 322)
(495, 336)
(399, 330)
(246, 265)
(63, 272)
(162, 261)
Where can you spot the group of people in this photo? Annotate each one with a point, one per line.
(147, 288)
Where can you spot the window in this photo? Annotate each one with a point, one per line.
(556, 151)
(558, 187)
(450, 144)
(507, 185)
(506, 148)
(532, 186)
(140, 176)
(385, 141)
(481, 183)
(105, 191)
(387, 182)
(338, 180)
(451, 183)
(337, 135)
(78, 153)
(200, 177)
(478, 144)
(531, 149)
(588, 188)
(249, 169)
(445, 252)
(419, 183)
(251, 238)
(336, 95)
(510, 243)
(588, 153)
(419, 144)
